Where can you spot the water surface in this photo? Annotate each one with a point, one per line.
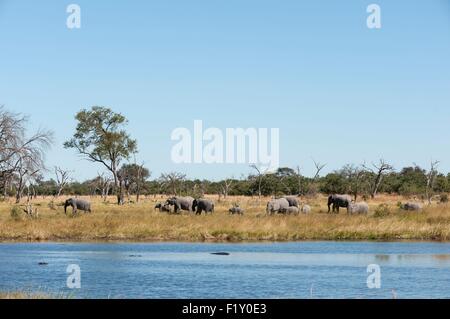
(266, 270)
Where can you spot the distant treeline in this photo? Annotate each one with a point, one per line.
(101, 138)
(286, 181)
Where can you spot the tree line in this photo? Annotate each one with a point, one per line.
(101, 138)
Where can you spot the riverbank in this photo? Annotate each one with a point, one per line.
(25, 295)
(140, 223)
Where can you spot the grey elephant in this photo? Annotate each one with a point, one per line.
(277, 206)
(292, 200)
(306, 209)
(203, 205)
(358, 208)
(338, 201)
(411, 206)
(236, 210)
(291, 210)
(181, 203)
(163, 208)
(77, 204)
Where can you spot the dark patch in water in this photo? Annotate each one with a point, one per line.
(43, 264)
(221, 254)
(135, 256)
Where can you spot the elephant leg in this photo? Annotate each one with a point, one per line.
(74, 210)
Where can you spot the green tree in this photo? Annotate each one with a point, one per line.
(100, 137)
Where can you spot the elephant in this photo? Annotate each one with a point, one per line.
(163, 208)
(181, 203)
(293, 201)
(338, 201)
(411, 206)
(291, 210)
(306, 209)
(200, 205)
(77, 204)
(277, 206)
(358, 208)
(236, 210)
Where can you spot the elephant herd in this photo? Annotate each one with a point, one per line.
(288, 205)
(189, 204)
(345, 201)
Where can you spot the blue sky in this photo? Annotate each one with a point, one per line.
(339, 92)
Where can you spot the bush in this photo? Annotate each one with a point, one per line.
(16, 213)
(443, 198)
(382, 210)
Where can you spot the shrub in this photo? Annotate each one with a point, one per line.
(382, 210)
(16, 213)
(443, 198)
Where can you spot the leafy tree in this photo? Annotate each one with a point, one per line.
(100, 137)
(334, 183)
(412, 181)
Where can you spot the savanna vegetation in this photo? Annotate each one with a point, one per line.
(124, 194)
(140, 222)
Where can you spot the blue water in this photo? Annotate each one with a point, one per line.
(266, 270)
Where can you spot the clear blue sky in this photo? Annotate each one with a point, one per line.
(339, 92)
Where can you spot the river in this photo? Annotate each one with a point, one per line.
(249, 270)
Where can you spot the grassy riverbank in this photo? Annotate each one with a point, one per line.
(139, 222)
(25, 295)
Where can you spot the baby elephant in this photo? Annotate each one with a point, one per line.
(236, 210)
(358, 208)
(163, 208)
(306, 209)
(290, 210)
(77, 204)
(203, 205)
(411, 206)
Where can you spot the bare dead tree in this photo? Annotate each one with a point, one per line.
(259, 178)
(21, 157)
(226, 186)
(356, 178)
(173, 180)
(104, 184)
(378, 170)
(26, 171)
(62, 179)
(314, 185)
(431, 178)
(319, 168)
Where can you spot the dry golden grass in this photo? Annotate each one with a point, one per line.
(24, 295)
(140, 222)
